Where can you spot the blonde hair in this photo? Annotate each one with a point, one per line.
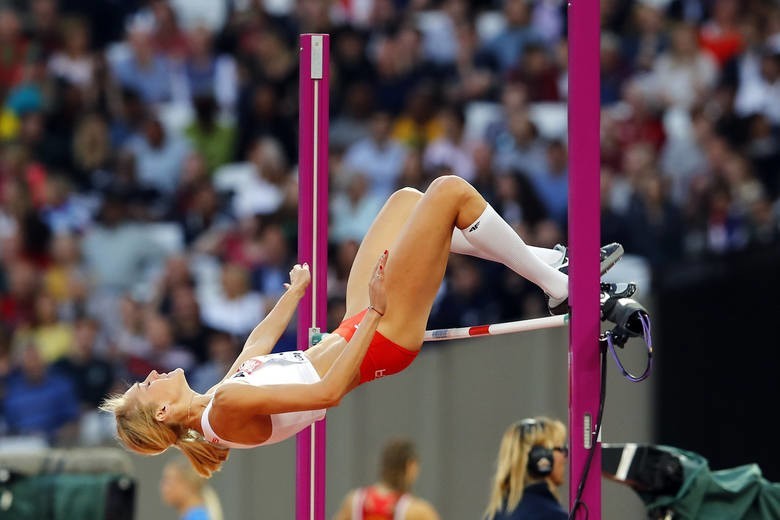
(140, 431)
(201, 488)
(511, 475)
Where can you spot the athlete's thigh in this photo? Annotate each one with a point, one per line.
(415, 268)
(381, 236)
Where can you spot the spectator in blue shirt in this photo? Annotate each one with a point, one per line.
(510, 43)
(39, 401)
(143, 68)
(379, 156)
(552, 185)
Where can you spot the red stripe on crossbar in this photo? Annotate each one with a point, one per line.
(479, 330)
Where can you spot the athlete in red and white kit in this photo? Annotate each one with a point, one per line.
(265, 398)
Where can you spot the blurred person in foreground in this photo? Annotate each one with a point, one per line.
(187, 492)
(390, 498)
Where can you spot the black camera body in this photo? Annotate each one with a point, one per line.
(627, 314)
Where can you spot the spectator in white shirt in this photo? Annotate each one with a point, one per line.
(73, 63)
(258, 183)
(685, 73)
(237, 308)
(761, 95)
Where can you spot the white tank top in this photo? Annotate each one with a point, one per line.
(273, 369)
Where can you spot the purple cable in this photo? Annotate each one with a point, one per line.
(645, 320)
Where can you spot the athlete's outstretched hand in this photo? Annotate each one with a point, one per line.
(377, 296)
(299, 277)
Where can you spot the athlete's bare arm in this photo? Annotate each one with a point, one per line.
(265, 335)
(272, 399)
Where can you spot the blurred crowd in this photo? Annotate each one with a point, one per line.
(148, 155)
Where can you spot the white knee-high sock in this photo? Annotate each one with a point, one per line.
(491, 235)
(462, 246)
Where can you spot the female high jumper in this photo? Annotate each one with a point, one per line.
(265, 398)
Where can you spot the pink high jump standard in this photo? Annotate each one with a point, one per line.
(584, 238)
(312, 248)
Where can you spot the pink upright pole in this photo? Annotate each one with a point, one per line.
(312, 248)
(584, 236)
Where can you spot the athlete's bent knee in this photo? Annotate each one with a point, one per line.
(406, 194)
(451, 185)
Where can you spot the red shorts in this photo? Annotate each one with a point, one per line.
(383, 357)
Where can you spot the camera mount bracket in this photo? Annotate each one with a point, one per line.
(630, 319)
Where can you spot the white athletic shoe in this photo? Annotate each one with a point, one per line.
(610, 254)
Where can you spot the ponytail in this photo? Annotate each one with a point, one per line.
(205, 457)
(139, 430)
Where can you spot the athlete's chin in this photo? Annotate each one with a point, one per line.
(179, 374)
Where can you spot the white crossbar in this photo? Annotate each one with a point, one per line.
(497, 328)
